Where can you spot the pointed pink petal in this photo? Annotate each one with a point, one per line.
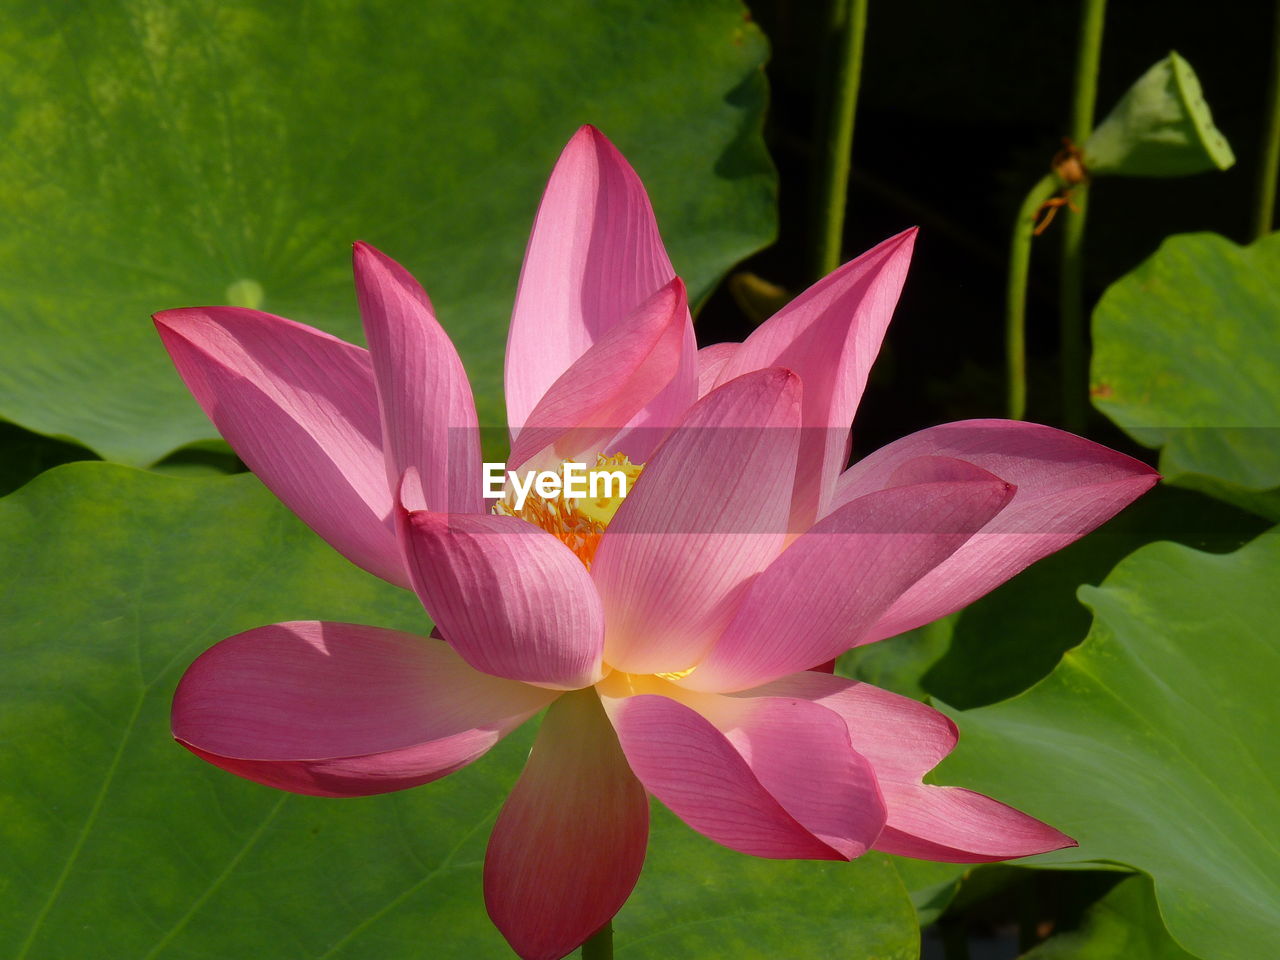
(904, 739)
(801, 754)
(654, 422)
(953, 825)
(770, 777)
(593, 257)
(1067, 486)
(341, 710)
(830, 336)
(300, 409)
(428, 415)
(711, 361)
(609, 384)
(510, 598)
(830, 586)
(570, 841)
(709, 512)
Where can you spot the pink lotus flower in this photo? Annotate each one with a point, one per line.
(672, 641)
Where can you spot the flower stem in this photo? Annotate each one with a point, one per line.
(600, 946)
(1015, 333)
(846, 29)
(1270, 160)
(1071, 330)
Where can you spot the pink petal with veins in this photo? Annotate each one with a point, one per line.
(594, 256)
(428, 415)
(829, 335)
(771, 777)
(300, 409)
(340, 710)
(708, 513)
(570, 841)
(510, 598)
(711, 361)
(823, 594)
(1066, 486)
(903, 739)
(606, 387)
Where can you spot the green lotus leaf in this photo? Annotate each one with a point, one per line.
(1186, 358)
(1153, 742)
(168, 153)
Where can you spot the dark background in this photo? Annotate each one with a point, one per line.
(962, 106)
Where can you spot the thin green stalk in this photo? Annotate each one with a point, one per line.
(1071, 323)
(1015, 332)
(1071, 330)
(1270, 166)
(847, 29)
(600, 946)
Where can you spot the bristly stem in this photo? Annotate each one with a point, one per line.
(1269, 167)
(600, 946)
(1015, 326)
(846, 31)
(1071, 330)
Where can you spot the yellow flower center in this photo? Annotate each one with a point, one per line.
(678, 675)
(579, 522)
(616, 684)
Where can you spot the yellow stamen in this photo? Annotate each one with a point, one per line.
(579, 522)
(677, 675)
(618, 684)
(602, 509)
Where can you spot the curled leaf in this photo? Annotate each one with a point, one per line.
(1161, 127)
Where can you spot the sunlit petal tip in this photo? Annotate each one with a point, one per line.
(615, 380)
(409, 495)
(594, 255)
(679, 292)
(955, 825)
(427, 411)
(371, 266)
(299, 407)
(167, 319)
(590, 138)
(830, 334)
